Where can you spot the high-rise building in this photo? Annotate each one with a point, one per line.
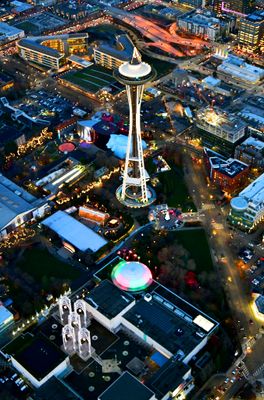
(251, 31)
(192, 3)
(134, 191)
(238, 6)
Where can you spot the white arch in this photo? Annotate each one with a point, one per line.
(74, 320)
(68, 338)
(80, 309)
(84, 343)
(64, 306)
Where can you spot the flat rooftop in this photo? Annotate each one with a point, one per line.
(226, 166)
(7, 30)
(122, 50)
(36, 354)
(108, 299)
(168, 376)
(127, 387)
(35, 46)
(256, 16)
(238, 67)
(36, 43)
(253, 143)
(220, 120)
(53, 385)
(181, 326)
(14, 200)
(255, 191)
(5, 315)
(205, 18)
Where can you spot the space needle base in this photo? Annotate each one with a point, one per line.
(134, 200)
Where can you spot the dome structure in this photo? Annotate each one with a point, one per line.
(131, 276)
(239, 203)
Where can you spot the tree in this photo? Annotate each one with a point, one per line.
(10, 147)
(28, 308)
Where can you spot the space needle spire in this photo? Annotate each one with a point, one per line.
(134, 191)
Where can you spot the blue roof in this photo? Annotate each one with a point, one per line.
(159, 359)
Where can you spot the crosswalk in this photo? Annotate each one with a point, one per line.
(258, 371)
(249, 375)
(245, 370)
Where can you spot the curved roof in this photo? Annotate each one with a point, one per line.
(239, 203)
(135, 70)
(132, 276)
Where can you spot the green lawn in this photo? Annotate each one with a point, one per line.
(92, 78)
(39, 263)
(175, 190)
(150, 166)
(195, 241)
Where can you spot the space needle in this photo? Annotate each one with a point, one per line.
(134, 191)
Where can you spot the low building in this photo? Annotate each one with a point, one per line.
(259, 304)
(68, 172)
(219, 130)
(251, 151)
(247, 210)
(253, 113)
(181, 333)
(9, 133)
(19, 7)
(6, 82)
(17, 206)
(9, 33)
(52, 51)
(217, 86)
(203, 23)
(6, 318)
(66, 126)
(74, 235)
(236, 67)
(93, 215)
(36, 358)
(228, 174)
(113, 56)
(85, 129)
(74, 10)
